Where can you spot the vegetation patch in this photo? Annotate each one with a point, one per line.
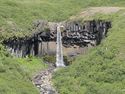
(16, 73)
(102, 69)
(32, 65)
(16, 16)
(14, 79)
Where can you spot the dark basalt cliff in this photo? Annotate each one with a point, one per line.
(74, 34)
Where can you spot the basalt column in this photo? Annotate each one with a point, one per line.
(76, 35)
(40, 46)
(36, 46)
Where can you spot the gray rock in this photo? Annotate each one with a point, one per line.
(43, 81)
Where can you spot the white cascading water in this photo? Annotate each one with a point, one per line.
(59, 52)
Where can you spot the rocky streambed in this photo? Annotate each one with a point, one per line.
(42, 81)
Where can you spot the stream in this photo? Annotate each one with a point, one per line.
(42, 81)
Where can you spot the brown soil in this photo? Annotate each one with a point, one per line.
(93, 10)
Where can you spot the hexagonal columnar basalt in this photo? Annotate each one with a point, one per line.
(75, 35)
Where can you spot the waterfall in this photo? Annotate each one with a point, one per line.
(59, 53)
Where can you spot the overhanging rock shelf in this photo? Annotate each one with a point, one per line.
(74, 34)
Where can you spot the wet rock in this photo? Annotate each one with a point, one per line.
(43, 81)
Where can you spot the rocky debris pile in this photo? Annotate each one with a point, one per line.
(43, 81)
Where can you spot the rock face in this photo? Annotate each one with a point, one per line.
(90, 32)
(43, 81)
(75, 34)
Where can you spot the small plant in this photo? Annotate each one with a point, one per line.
(67, 60)
(49, 59)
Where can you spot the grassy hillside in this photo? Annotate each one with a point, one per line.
(31, 65)
(18, 15)
(13, 79)
(88, 73)
(102, 70)
(16, 73)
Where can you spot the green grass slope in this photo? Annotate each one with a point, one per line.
(14, 79)
(18, 15)
(31, 65)
(16, 73)
(102, 70)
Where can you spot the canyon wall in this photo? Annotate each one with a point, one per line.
(76, 38)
